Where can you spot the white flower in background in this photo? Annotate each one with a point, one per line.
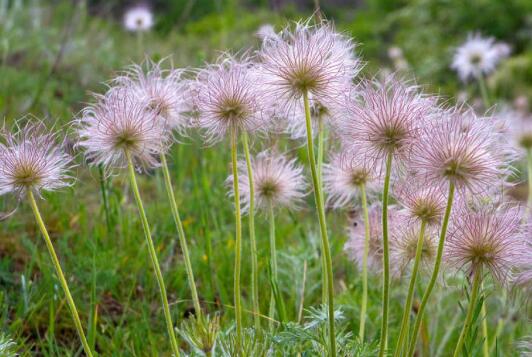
(138, 19)
(395, 52)
(478, 56)
(266, 32)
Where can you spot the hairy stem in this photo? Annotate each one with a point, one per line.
(323, 224)
(364, 302)
(252, 240)
(59, 272)
(182, 237)
(435, 271)
(153, 255)
(238, 240)
(319, 169)
(273, 263)
(411, 286)
(477, 278)
(385, 257)
(484, 317)
(529, 161)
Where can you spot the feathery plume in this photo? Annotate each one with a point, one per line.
(31, 160)
(138, 19)
(422, 201)
(403, 245)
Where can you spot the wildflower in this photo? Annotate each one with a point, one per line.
(266, 32)
(386, 119)
(458, 150)
(162, 91)
(278, 182)
(422, 201)
(228, 96)
(138, 19)
(403, 245)
(491, 238)
(343, 176)
(314, 60)
(118, 125)
(354, 246)
(478, 56)
(31, 160)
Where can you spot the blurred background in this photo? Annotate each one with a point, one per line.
(53, 54)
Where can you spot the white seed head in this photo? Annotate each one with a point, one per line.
(31, 160)
(138, 19)
(278, 182)
(119, 124)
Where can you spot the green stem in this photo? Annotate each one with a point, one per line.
(469, 316)
(385, 257)
(153, 254)
(252, 240)
(364, 303)
(436, 270)
(409, 298)
(103, 188)
(529, 160)
(238, 241)
(319, 169)
(59, 272)
(182, 238)
(323, 224)
(483, 91)
(273, 263)
(484, 317)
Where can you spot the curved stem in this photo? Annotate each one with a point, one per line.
(469, 316)
(484, 91)
(59, 272)
(273, 263)
(319, 169)
(323, 224)
(385, 257)
(435, 271)
(364, 302)
(411, 286)
(153, 255)
(238, 241)
(182, 238)
(529, 160)
(485, 335)
(252, 240)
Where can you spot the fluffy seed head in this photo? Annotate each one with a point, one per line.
(385, 118)
(118, 124)
(403, 245)
(310, 59)
(422, 201)
(455, 149)
(478, 56)
(354, 246)
(229, 96)
(279, 182)
(491, 238)
(138, 19)
(31, 160)
(162, 90)
(343, 176)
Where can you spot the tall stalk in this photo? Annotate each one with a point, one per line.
(238, 240)
(59, 272)
(411, 287)
(319, 159)
(477, 279)
(483, 91)
(364, 302)
(385, 257)
(485, 335)
(323, 224)
(435, 271)
(273, 263)
(153, 255)
(529, 161)
(252, 240)
(182, 237)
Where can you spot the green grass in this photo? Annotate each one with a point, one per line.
(109, 271)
